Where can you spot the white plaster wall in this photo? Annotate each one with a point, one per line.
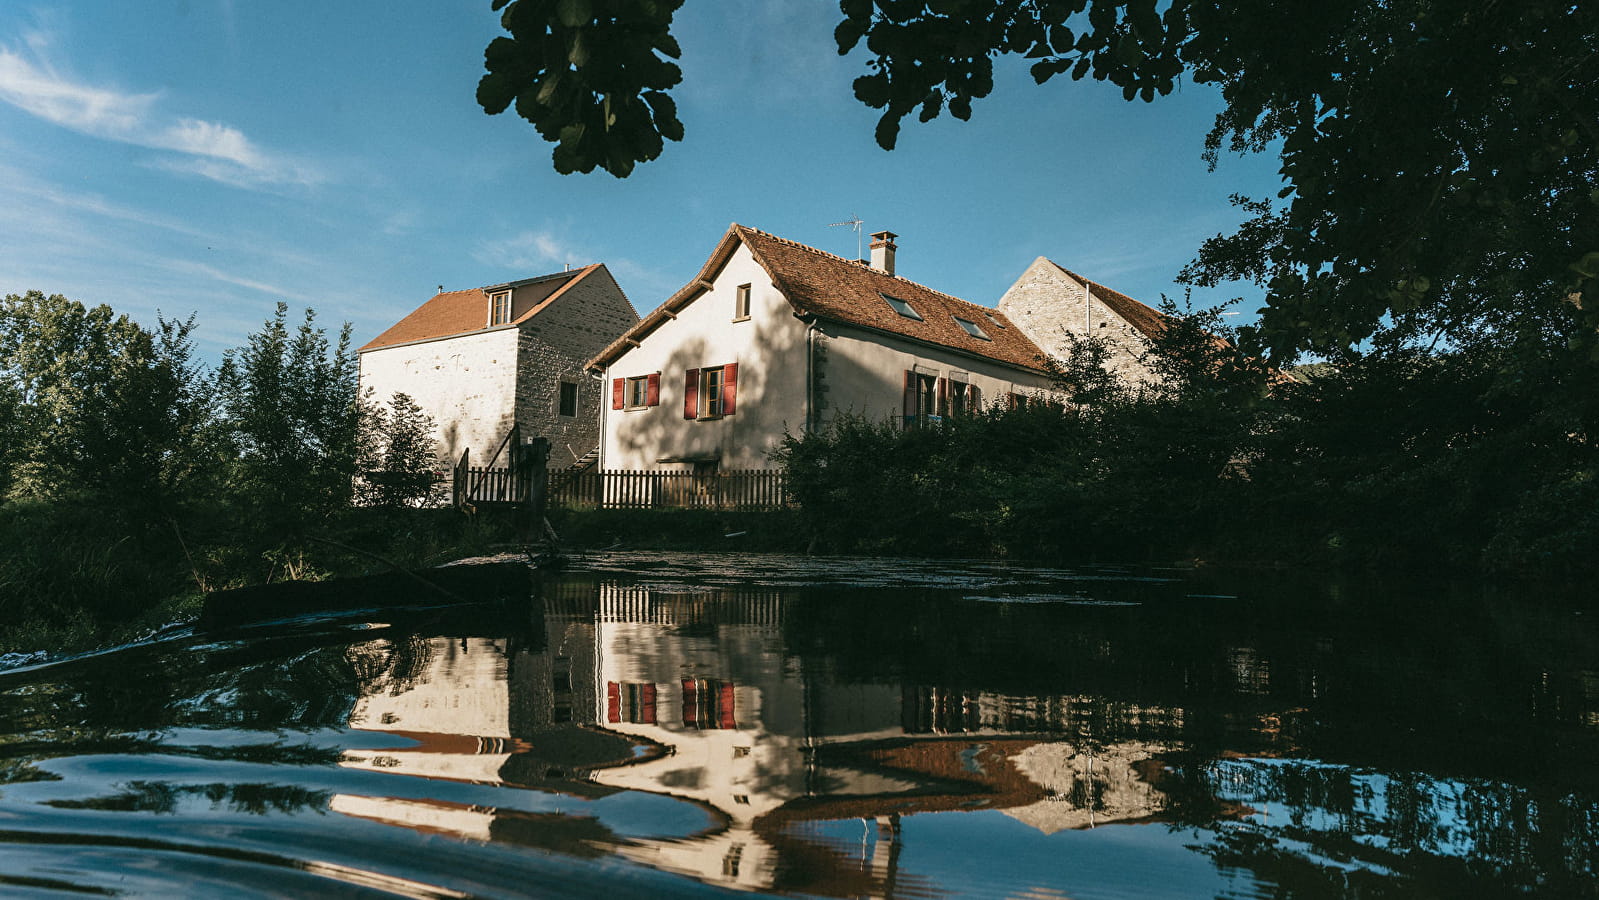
(864, 373)
(770, 351)
(466, 383)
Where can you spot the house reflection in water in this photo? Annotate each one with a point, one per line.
(693, 695)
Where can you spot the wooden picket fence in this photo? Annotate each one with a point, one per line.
(628, 489)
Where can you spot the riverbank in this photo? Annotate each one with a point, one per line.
(72, 580)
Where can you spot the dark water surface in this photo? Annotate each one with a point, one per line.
(658, 725)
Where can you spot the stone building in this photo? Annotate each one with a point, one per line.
(482, 360)
(1048, 301)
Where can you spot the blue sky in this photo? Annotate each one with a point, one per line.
(214, 156)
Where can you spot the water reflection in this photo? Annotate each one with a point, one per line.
(885, 741)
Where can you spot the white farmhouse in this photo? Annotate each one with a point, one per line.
(482, 360)
(775, 336)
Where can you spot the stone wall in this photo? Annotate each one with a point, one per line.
(552, 348)
(1046, 302)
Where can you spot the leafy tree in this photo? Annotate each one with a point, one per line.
(590, 76)
(401, 462)
(289, 409)
(100, 406)
(1438, 156)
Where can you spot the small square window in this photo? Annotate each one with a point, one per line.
(638, 392)
(902, 307)
(568, 399)
(741, 303)
(500, 308)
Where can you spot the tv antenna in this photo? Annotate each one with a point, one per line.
(854, 222)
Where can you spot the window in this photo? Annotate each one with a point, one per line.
(630, 702)
(971, 328)
(708, 704)
(963, 398)
(902, 307)
(568, 400)
(500, 308)
(741, 303)
(991, 318)
(637, 392)
(710, 392)
(923, 394)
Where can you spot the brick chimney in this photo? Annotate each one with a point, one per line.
(883, 251)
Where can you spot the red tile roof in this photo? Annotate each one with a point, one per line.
(454, 313)
(817, 283)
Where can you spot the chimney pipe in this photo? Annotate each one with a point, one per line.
(883, 251)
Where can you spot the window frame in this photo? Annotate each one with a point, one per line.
(561, 390)
(971, 328)
(500, 312)
(636, 386)
(895, 303)
(706, 399)
(741, 303)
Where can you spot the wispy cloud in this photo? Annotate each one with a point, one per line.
(530, 250)
(214, 150)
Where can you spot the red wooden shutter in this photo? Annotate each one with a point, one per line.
(618, 388)
(691, 394)
(909, 407)
(647, 708)
(691, 705)
(943, 396)
(725, 710)
(729, 387)
(652, 390)
(613, 702)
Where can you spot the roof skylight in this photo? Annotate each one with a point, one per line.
(902, 307)
(971, 328)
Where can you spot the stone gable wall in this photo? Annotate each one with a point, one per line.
(552, 347)
(1045, 303)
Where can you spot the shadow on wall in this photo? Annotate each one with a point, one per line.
(771, 400)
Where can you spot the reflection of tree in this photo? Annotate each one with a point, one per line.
(1320, 827)
(162, 797)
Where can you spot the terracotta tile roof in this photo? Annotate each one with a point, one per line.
(844, 290)
(462, 312)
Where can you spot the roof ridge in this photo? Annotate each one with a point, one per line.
(858, 264)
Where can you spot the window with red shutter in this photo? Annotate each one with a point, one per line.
(691, 394)
(652, 391)
(729, 387)
(618, 387)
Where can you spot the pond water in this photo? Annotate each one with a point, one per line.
(661, 725)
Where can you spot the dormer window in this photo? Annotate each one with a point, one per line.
(500, 308)
(971, 328)
(902, 307)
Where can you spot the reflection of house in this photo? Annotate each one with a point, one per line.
(482, 360)
(692, 696)
(774, 336)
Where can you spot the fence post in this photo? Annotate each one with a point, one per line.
(529, 476)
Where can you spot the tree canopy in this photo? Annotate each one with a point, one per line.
(1439, 157)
